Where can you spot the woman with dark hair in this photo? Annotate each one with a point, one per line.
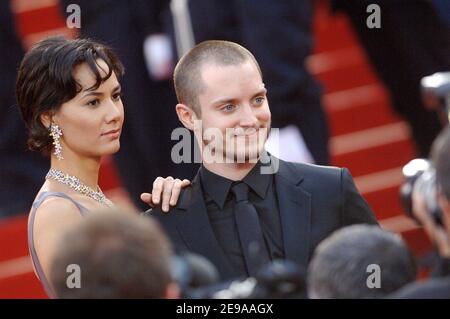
(69, 95)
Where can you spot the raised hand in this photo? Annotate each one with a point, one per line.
(166, 188)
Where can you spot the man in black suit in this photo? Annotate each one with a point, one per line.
(246, 207)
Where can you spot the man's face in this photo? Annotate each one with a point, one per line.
(235, 105)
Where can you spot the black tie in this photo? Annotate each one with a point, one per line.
(249, 229)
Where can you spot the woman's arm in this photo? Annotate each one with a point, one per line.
(52, 218)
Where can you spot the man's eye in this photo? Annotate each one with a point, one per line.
(228, 108)
(259, 100)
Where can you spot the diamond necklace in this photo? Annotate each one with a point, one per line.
(75, 183)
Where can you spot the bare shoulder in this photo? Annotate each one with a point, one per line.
(56, 210)
(52, 218)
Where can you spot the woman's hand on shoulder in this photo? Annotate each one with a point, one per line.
(165, 192)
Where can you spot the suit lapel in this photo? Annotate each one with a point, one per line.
(195, 229)
(295, 210)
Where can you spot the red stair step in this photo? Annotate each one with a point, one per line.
(385, 202)
(39, 20)
(355, 110)
(344, 79)
(332, 31)
(13, 237)
(417, 241)
(109, 176)
(376, 159)
(25, 286)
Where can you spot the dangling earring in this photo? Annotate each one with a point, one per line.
(55, 133)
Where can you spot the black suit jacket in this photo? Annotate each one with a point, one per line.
(313, 202)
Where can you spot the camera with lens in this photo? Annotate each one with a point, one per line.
(420, 177)
(198, 279)
(280, 279)
(436, 93)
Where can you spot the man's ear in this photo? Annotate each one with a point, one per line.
(186, 115)
(46, 119)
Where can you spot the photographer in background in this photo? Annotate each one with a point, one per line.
(439, 234)
(345, 264)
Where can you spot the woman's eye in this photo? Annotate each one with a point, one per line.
(117, 96)
(93, 102)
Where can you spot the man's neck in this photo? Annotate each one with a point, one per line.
(233, 171)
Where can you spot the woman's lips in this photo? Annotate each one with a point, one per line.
(112, 134)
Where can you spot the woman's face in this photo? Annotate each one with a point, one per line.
(91, 122)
